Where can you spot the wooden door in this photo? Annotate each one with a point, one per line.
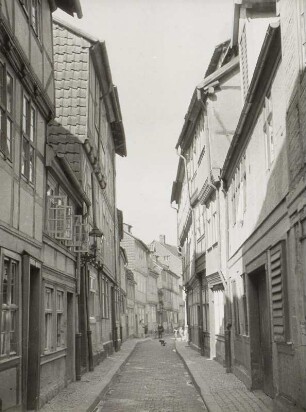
(260, 333)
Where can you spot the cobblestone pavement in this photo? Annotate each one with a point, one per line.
(221, 391)
(153, 380)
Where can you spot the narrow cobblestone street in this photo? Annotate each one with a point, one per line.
(154, 379)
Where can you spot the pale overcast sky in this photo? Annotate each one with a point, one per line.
(158, 52)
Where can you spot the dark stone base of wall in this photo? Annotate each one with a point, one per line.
(282, 404)
(243, 375)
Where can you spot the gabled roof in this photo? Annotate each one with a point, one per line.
(220, 50)
(68, 6)
(217, 69)
(139, 241)
(71, 56)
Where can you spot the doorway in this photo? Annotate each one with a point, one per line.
(260, 332)
(33, 340)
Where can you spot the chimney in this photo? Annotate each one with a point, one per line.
(162, 239)
(127, 228)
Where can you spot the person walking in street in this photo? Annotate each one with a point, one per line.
(160, 331)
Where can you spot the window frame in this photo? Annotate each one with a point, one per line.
(268, 130)
(28, 137)
(6, 114)
(9, 307)
(51, 336)
(27, 6)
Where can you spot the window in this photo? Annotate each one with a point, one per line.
(205, 297)
(59, 217)
(236, 308)
(268, 131)
(212, 223)
(36, 16)
(28, 140)
(60, 331)
(54, 319)
(33, 11)
(49, 306)
(245, 307)
(9, 308)
(238, 192)
(92, 294)
(6, 108)
(105, 298)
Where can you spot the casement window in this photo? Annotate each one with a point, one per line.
(28, 140)
(9, 309)
(33, 10)
(54, 319)
(6, 111)
(60, 330)
(105, 298)
(212, 223)
(59, 217)
(238, 193)
(36, 17)
(268, 131)
(49, 309)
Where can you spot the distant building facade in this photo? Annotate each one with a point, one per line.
(202, 146)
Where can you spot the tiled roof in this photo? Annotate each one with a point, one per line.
(71, 68)
(62, 141)
(71, 73)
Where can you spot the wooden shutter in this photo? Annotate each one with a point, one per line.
(278, 272)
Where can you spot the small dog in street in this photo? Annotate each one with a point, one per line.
(162, 342)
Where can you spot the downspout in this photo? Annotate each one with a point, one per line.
(228, 314)
(179, 153)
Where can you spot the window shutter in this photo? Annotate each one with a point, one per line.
(277, 268)
(59, 218)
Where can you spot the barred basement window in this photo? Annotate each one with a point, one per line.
(6, 108)
(278, 291)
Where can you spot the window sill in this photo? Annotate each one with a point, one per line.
(9, 362)
(49, 356)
